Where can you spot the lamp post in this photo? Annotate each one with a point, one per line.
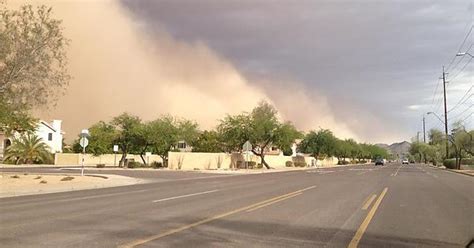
(464, 53)
(445, 130)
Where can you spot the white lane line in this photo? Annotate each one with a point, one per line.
(396, 173)
(183, 196)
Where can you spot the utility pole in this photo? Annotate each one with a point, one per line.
(424, 131)
(418, 136)
(445, 114)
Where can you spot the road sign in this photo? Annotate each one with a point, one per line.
(84, 142)
(247, 146)
(115, 148)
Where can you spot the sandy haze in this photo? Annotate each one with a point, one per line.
(120, 67)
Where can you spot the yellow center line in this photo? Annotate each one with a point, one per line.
(368, 202)
(180, 229)
(360, 232)
(270, 203)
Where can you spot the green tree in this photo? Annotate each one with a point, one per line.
(319, 144)
(208, 141)
(33, 63)
(234, 131)
(28, 149)
(101, 140)
(261, 127)
(436, 137)
(130, 135)
(164, 133)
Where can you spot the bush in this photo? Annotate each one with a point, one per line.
(15, 176)
(38, 177)
(43, 182)
(67, 178)
(243, 165)
(362, 161)
(289, 164)
(467, 161)
(450, 163)
(353, 162)
(342, 162)
(100, 165)
(156, 165)
(300, 164)
(134, 164)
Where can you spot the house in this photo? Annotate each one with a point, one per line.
(50, 133)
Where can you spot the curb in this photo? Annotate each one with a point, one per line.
(451, 170)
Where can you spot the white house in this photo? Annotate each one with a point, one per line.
(50, 133)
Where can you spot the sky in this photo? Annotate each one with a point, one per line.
(365, 69)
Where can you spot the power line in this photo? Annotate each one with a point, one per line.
(467, 117)
(462, 58)
(462, 112)
(462, 69)
(463, 99)
(460, 47)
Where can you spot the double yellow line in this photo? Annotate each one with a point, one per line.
(363, 227)
(247, 208)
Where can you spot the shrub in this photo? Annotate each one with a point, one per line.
(362, 161)
(289, 164)
(353, 161)
(38, 177)
(156, 165)
(253, 164)
(134, 164)
(450, 163)
(15, 176)
(243, 165)
(67, 178)
(100, 165)
(467, 161)
(342, 162)
(43, 182)
(300, 164)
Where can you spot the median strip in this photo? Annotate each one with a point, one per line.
(363, 227)
(204, 221)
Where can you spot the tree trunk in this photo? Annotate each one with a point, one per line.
(165, 161)
(141, 154)
(122, 159)
(262, 159)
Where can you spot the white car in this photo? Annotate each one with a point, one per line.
(405, 161)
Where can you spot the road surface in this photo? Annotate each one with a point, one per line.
(355, 206)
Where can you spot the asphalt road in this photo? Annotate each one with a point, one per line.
(364, 206)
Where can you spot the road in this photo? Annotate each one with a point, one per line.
(356, 206)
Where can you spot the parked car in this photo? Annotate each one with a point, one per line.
(405, 161)
(379, 161)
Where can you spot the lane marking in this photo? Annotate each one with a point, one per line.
(207, 220)
(183, 196)
(368, 202)
(363, 227)
(396, 173)
(270, 203)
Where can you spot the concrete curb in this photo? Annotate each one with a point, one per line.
(451, 170)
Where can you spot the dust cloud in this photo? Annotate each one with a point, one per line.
(118, 66)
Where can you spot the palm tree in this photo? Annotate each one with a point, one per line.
(28, 149)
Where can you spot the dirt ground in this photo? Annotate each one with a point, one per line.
(15, 184)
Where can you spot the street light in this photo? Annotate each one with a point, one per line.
(465, 53)
(429, 113)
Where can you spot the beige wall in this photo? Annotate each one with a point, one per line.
(206, 161)
(89, 159)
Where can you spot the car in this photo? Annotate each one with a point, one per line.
(405, 161)
(379, 161)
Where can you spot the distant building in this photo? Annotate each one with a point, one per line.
(50, 133)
